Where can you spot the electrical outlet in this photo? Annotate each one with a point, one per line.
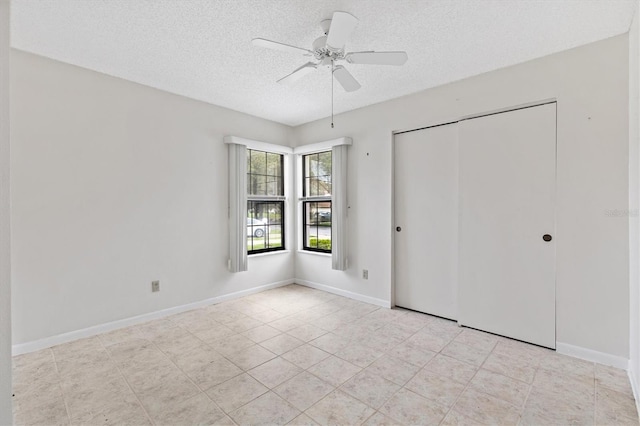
(155, 286)
(365, 274)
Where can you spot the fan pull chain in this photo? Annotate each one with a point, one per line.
(332, 93)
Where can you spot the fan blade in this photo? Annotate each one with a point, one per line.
(377, 58)
(269, 44)
(307, 68)
(342, 24)
(345, 79)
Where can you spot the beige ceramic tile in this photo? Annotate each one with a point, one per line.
(522, 369)
(244, 324)
(307, 332)
(53, 412)
(611, 404)
(568, 366)
(565, 387)
(428, 342)
(334, 370)
(251, 357)
(303, 390)
(410, 408)
(274, 372)
(305, 356)
(236, 392)
(443, 328)
(87, 363)
(477, 339)
(302, 420)
(281, 343)
(370, 388)
(379, 342)
(123, 413)
(194, 358)
(543, 406)
(119, 336)
(338, 408)
(150, 330)
(520, 350)
(359, 355)
(159, 395)
(268, 315)
(77, 348)
(213, 373)
(379, 419)
(486, 409)
(261, 333)
(456, 419)
(435, 387)
(231, 344)
(613, 378)
(410, 353)
(286, 324)
(33, 359)
(268, 409)
(393, 369)
(466, 353)
(330, 342)
(451, 368)
(510, 390)
(214, 334)
(199, 410)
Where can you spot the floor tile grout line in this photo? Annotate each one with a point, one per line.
(127, 382)
(189, 377)
(356, 319)
(64, 398)
(468, 385)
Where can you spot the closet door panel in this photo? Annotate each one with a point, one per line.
(507, 166)
(426, 212)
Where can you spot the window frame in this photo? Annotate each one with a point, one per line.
(268, 199)
(306, 200)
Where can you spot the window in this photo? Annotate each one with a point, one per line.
(265, 201)
(316, 201)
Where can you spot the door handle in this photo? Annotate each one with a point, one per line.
(547, 237)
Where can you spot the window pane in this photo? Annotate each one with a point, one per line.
(274, 164)
(265, 231)
(317, 174)
(264, 173)
(317, 225)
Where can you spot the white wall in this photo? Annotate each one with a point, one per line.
(634, 200)
(114, 185)
(590, 84)
(5, 228)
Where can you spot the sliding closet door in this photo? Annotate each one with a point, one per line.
(507, 196)
(426, 215)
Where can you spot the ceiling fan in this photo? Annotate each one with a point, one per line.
(329, 49)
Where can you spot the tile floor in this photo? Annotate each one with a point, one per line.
(299, 356)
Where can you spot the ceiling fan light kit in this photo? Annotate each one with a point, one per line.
(329, 49)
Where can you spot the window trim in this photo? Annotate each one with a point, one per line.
(288, 172)
(338, 255)
(279, 199)
(303, 200)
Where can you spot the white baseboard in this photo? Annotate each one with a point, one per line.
(48, 342)
(634, 386)
(345, 293)
(593, 356)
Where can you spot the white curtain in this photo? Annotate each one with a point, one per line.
(339, 207)
(237, 207)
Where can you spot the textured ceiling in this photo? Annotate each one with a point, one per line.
(202, 48)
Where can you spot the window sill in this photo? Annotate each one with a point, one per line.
(315, 253)
(269, 253)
